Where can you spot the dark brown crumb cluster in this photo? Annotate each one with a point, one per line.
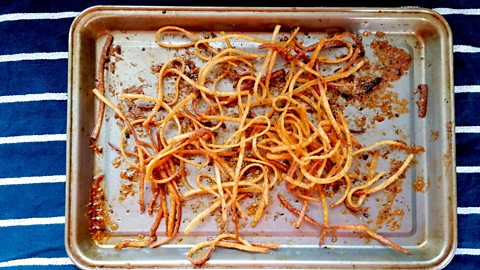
(373, 82)
(393, 62)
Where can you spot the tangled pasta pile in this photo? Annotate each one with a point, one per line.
(282, 130)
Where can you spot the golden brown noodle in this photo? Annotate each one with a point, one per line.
(283, 128)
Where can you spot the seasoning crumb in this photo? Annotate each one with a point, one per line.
(155, 69)
(419, 184)
(96, 148)
(380, 34)
(112, 67)
(125, 191)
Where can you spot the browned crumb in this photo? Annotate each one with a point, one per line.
(155, 69)
(380, 34)
(392, 61)
(372, 83)
(134, 90)
(125, 191)
(112, 67)
(96, 148)
(419, 184)
(418, 45)
(117, 162)
(394, 225)
(111, 90)
(386, 212)
(192, 71)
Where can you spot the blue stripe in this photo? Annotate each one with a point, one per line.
(464, 262)
(468, 149)
(27, 118)
(467, 103)
(467, 184)
(32, 77)
(33, 200)
(468, 232)
(464, 28)
(466, 68)
(32, 241)
(42, 36)
(32, 159)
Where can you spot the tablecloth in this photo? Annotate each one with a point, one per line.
(33, 111)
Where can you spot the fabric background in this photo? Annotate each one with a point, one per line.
(33, 86)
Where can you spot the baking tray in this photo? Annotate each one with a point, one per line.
(429, 224)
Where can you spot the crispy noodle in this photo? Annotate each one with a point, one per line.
(284, 129)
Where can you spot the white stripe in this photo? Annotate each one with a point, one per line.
(33, 180)
(31, 221)
(33, 56)
(37, 16)
(468, 210)
(467, 129)
(467, 251)
(467, 89)
(468, 169)
(33, 138)
(465, 49)
(37, 262)
(458, 11)
(33, 97)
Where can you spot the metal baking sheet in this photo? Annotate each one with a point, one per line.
(428, 227)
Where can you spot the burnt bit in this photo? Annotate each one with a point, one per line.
(369, 85)
(422, 102)
(358, 131)
(112, 67)
(115, 50)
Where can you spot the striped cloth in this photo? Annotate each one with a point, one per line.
(33, 85)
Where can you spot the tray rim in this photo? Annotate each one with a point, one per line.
(446, 257)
